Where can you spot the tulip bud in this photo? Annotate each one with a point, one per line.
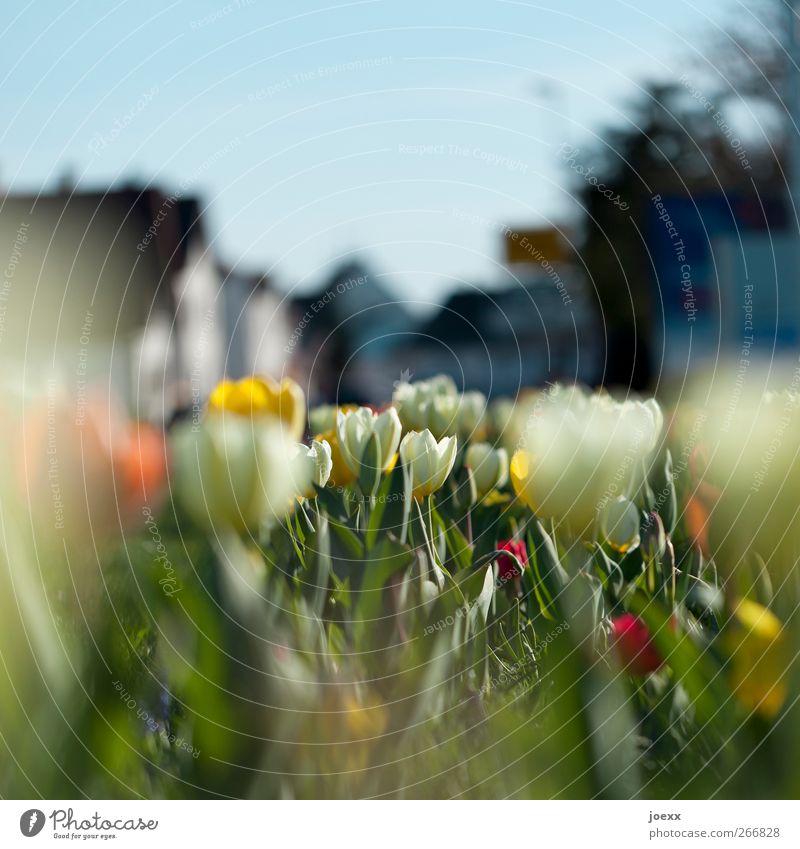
(620, 524)
(362, 429)
(633, 643)
(409, 406)
(654, 540)
(311, 465)
(488, 466)
(429, 462)
(507, 567)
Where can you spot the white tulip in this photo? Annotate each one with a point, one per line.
(322, 419)
(429, 462)
(582, 450)
(750, 478)
(232, 472)
(413, 400)
(441, 415)
(311, 465)
(471, 415)
(354, 430)
(488, 465)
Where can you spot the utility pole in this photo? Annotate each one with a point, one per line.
(792, 103)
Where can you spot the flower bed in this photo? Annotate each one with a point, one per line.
(438, 598)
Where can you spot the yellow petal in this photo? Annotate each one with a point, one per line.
(758, 621)
(256, 395)
(520, 472)
(341, 474)
(243, 397)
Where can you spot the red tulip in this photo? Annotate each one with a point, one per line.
(507, 566)
(634, 645)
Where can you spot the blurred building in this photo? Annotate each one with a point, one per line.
(536, 325)
(500, 339)
(724, 277)
(257, 323)
(347, 336)
(353, 341)
(123, 285)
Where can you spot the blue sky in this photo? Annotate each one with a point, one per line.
(316, 129)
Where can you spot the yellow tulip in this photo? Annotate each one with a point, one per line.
(253, 395)
(759, 658)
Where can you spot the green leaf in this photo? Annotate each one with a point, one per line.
(395, 493)
(389, 493)
(458, 548)
(349, 539)
(408, 498)
(590, 714)
(666, 498)
(610, 572)
(484, 600)
(697, 670)
(295, 543)
(471, 580)
(320, 545)
(388, 559)
(439, 538)
(333, 500)
(369, 473)
(548, 575)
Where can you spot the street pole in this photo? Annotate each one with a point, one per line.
(792, 104)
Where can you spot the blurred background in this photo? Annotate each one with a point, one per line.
(360, 193)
